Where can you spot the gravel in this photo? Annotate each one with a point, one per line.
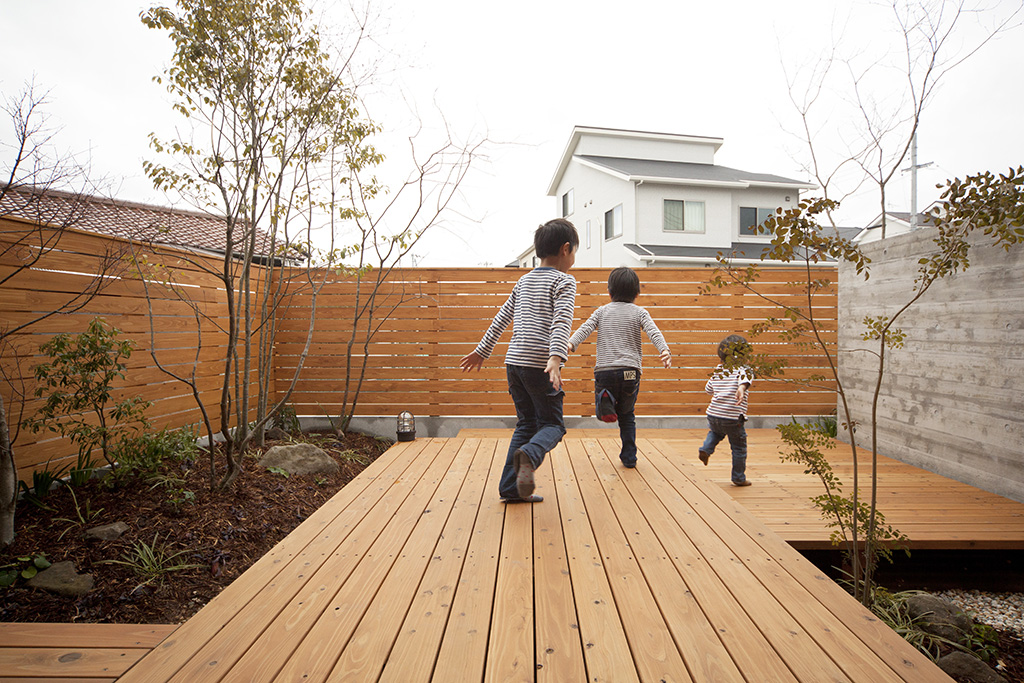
(1000, 610)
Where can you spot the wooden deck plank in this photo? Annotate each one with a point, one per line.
(145, 636)
(511, 650)
(93, 662)
(774, 595)
(559, 649)
(796, 649)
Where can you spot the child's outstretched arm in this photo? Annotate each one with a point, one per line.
(741, 391)
(580, 335)
(482, 352)
(666, 358)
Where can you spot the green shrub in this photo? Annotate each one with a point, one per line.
(78, 383)
(146, 454)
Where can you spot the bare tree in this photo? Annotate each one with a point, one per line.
(385, 236)
(883, 125)
(42, 197)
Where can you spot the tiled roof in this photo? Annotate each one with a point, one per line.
(126, 220)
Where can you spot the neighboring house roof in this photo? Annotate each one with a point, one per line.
(678, 172)
(125, 220)
(847, 233)
(593, 131)
(742, 252)
(897, 221)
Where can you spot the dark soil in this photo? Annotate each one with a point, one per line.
(224, 532)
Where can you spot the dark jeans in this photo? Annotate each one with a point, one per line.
(720, 428)
(624, 385)
(539, 425)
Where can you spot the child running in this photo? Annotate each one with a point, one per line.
(540, 309)
(620, 355)
(728, 408)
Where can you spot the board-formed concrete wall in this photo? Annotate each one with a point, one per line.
(951, 399)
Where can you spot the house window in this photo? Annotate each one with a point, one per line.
(613, 223)
(750, 218)
(588, 234)
(567, 204)
(684, 216)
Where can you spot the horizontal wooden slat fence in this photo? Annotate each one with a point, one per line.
(425, 321)
(67, 268)
(437, 316)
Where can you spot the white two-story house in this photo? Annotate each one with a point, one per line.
(658, 199)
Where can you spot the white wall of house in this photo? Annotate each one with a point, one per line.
(762, 198)
(717, 215)
(594, 193)
(721, 213)
(677, 149)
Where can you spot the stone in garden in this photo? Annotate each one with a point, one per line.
(960, 665)
(107, 532)
(61, 578)
(940, 617)
(300, 458)
(276, 434)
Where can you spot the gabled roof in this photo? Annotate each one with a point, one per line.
(682, 173)
(125, 220)
(580, 131)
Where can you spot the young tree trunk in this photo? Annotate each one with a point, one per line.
(8, 481)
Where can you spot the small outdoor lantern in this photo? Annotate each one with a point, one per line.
(406, 426)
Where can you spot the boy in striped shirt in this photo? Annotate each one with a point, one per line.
(728, 408)
(540, 309)
(620, 354)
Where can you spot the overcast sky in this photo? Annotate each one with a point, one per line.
(525, 73)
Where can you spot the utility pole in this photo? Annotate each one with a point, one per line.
(913, 180)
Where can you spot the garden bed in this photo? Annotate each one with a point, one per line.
(222, 532)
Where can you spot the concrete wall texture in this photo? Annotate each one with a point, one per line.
(951, 397)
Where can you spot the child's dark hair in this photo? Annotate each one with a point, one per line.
(549, 238)
(623, 285)
(734, 345)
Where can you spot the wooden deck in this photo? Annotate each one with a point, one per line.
(933, 511)
(415, 571)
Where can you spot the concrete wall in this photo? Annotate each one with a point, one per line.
(951, 397)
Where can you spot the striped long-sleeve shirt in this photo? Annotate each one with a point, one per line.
(619, 344)
(722, 386)
(540, 309)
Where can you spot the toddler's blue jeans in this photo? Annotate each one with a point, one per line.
(719, 428)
